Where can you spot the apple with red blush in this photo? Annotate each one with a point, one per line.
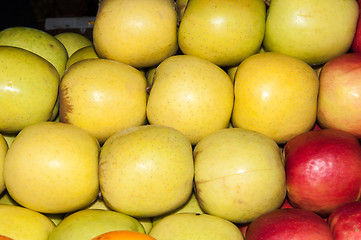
(323, 170)
(339, 98)
(356, 43)
(289, 224)
(345, 222)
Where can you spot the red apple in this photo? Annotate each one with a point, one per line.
(323, 170)
(345, 222)
(356, 43)
(339, 99)
(289, 224)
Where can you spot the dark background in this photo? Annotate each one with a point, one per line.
(32, 13)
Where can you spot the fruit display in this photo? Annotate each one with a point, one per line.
(184, 119)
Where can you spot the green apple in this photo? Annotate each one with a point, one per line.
(38, 42)
(52, 168)
(195, 226)
(81, 54)
(141, 33)
(3, 150)
(111, 97)
(73, 41)
(275, 94)
(29, 89)
(147, 223)
(24, 224)
(192, 95)
(313, 31)
(224, 32)
(239, 174)
(89, 223)
(146, 171)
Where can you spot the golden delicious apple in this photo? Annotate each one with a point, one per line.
(52, 167)
(73, 41)
(276, 95)
(38, 42)
(181, 6)
(6, 199)
(146, 171)
(81, 54)
(21, 223)
(224, 32)
(239, 174)
(89, 223)
(314, 31)
(3, 150)
(9, 138)
(29, 89)
(195, 226)
(141, 33)
(102, 97)
(192, 95)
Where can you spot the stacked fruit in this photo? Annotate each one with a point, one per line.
(184, 120)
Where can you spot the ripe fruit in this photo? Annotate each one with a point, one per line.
(276, 95)
(73, 41)
(191, 95)
(146, 171)
(52, 167)
(102, 97)
(81, 54)
(3, 151)
(141, 33)
(123, 235)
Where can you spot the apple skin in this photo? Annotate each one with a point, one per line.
(356, 43)
(323, 170)
(339, 101)
(290, 224)
(345, 221)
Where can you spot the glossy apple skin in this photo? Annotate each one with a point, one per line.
(289, 224)
(339, 99)
(345, 222)
(323, 170)
(356, 43)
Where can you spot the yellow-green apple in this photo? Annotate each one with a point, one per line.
(195, 226)
(21, 223)
(345, 221)
(38, 42)
(181, 6)
(192, 95)
(103, 97)
(223, 32)
(292, 223)
(339, 100)
(356, 42)
(73, 41)
(89, 223)
(3, 150)
(146, 171)
(314, 32)
(323, 170)
(52, 167)
(275, 94)
(9, 138)
(29, 89)
(81, 54)
(239, 174)
(6, 199)
(141, 33)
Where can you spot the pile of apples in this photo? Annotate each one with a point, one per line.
(185, 120)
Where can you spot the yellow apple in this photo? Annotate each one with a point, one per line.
(73, 41)
(52, 167)
(239, 174)
(276, 95)
(102, 97)
(81, 54)
(3, 150)
(9, 138)
(22, 223)
(6, 199)
(141, 33)
(224, 32)
(313, 31)
(89, 223)
(192, 95)
(146, 171)
(195, 226)
(181, 7)
(38, 42)
(29, 89)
